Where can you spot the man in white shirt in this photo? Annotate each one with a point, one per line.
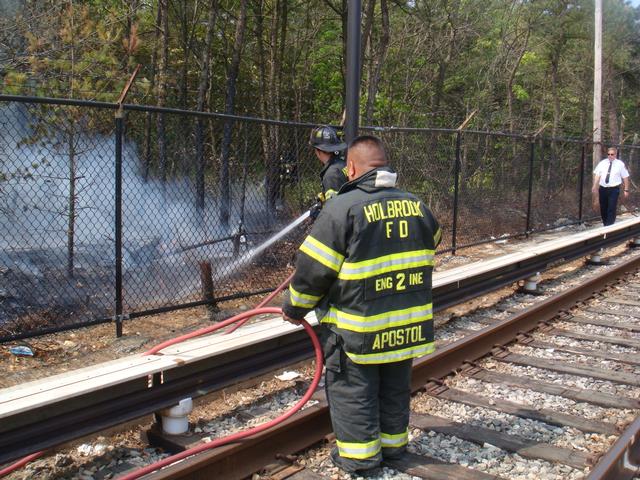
(608, 175)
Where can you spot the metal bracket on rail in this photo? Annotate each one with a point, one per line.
(469, 368)
(435, 387)
(635, 242)
(290, 459)
(524, 338)
(544, 327)
(563, 315)
(499, 351)
(120, 318)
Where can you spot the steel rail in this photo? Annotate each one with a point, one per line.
(622, 461)
(67, 420)
(38, 429)
(237, 461)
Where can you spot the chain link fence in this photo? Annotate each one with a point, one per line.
(107, 216)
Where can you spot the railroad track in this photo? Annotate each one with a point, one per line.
(548, 390)
(483, 399)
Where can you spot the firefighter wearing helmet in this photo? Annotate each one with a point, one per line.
(329, 149)
(366, 269)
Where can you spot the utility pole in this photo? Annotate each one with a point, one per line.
(352, 102)
(597, 85)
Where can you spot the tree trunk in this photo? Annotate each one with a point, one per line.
(377, 62)
(147, 116)
(265, 130)
(229, 105)
(203, 86)
(71, 199)
(342, 14)
(277, 36)
(367, 26)
(162, 88)
(71, 151)
(184, 39)
(555, 60)
(511, 78)
(443, 63)
(612, 107)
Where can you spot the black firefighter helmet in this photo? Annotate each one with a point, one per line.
(326, 138)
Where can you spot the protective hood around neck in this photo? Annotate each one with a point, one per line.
(373, 180)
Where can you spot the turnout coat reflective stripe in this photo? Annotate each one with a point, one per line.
(366, 268)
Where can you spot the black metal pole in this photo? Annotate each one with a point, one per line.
(118, 222)
(456, 183)
(581, 187)
(531, 157)
(352, 101)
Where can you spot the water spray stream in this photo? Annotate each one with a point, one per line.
(282, 233)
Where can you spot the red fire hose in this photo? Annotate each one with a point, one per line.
(266, 300)
(246, 433)
(241, 318)
(20, 463)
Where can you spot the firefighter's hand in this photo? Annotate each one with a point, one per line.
(287, 318)
(626, 194)
(315, 210)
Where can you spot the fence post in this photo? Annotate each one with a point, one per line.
(118, 221)
(456, 184)
(532, 149)
(581, 186)
(206, 280)
(119, 116)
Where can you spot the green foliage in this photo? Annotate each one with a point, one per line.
(520, 92)
(481, 180)
(444, 59)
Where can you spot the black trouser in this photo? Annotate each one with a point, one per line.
(608, 204)
(369, 406)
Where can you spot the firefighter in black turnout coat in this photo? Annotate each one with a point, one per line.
(328, 148)
(366, 268)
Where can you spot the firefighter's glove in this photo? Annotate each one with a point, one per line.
(315, 210)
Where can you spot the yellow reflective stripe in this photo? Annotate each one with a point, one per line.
(303, 300)
(321, 253)
(394, 440)
(329, 193)
(358, 450)
(345, 171)
(437, 236)
(393, 356)
(381, 321)
(386, 264)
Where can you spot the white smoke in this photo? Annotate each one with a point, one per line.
(159, 219)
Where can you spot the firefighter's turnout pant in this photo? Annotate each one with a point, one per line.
(369, 406)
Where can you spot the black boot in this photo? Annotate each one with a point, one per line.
(354, 466)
